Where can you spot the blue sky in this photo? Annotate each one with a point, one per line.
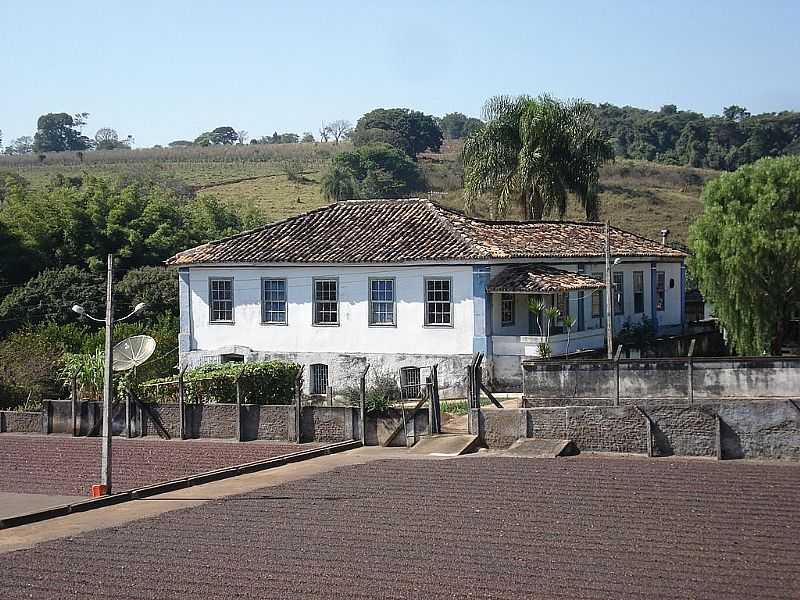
(172, 69)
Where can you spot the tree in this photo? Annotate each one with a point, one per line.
(203, 140)
(21, 145)
(307, 138)
(180, 144)
(339, 183)
(471, 126)
(324, 133)
(340, 129)
(372, 171)
(224, 135)
(241, 136)
(59, 132)
(452, 125)
(532, 152)
(410, 130)
(155, 286)
(735, 113)
(108, 139)
(746, 247)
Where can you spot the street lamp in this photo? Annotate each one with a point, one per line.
(105, 473)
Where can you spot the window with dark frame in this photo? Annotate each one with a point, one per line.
(597, 299)
(220, 303)
(319, 379)
(438, 302)
(619, 293)
(506, 310)
(273, 301)
(381, 302)
(409, 382)
(326, 302)
(638, 292)
(660, 291)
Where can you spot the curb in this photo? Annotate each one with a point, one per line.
(175, 484)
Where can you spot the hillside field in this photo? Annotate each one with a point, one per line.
(281, 180)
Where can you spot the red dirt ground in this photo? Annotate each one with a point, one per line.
(69, 466)
(466, 528)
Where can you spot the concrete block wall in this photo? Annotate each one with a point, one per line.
(14, 421)
(748, 429)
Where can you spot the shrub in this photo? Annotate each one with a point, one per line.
(381, 393)
(29, 364)
(270, 382)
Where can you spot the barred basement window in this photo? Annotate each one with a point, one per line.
(319, 379)
(506, 310)
(220, 300)
(438, 302)
(326, 302)
(409, 382)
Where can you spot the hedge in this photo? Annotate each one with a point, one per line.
(270, 382)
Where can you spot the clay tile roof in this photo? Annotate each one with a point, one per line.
(531, 279)
(388, 231)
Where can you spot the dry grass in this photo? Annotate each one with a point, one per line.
(638, 196)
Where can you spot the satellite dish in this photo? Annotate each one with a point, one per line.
(132, 352)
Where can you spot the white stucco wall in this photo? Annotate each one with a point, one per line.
(353, 334)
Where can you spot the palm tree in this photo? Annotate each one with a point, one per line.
(339, 184)
(569, 323)
(532, 153)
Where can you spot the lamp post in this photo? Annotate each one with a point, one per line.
(105, 471)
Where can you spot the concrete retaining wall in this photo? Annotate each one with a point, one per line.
(594, 382)
(14, 421)
(748, 429)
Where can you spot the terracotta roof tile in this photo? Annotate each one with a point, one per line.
(539, 278)
(378, 231)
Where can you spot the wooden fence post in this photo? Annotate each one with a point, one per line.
(127, 413)
(182, 404)
(74, 403)
(363, 399)
(436, 425)
(690, 373)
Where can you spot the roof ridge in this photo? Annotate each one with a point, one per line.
(438, 209)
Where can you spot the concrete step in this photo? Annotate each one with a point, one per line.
(446, 444)
(541, 448)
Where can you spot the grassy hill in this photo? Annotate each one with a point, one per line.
(281, 180)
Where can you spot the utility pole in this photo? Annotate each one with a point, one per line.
(105, 474)
(609, 307)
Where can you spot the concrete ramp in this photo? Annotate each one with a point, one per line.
(446, 444)
(541, 448)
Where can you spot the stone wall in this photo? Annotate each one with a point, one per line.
(328, 423)
(754, 429)
(14, 421)
(658, 381)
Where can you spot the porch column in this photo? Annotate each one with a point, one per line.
(581, 323)
(184, 295)
(482, 310)
(653, 310)
(683, 297)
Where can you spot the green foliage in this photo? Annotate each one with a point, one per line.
(641, 335)
(57, 132)
(532, 153)
(457, 125)
(142, 222)
(108, 139)
(679, 137)
(270, 382)
(410, 130)
(378, 170)
(746, 249)
(224, 135)
(50, 295)
(155, 286)
(382, 392)
(88, 370)
(545, 350)
(28, 365)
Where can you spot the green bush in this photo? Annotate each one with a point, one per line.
(270, 382)
(382, 391)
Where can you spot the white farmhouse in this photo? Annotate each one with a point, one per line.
(408, 283)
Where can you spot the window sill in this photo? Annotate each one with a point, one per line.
(325, 324)
(438, 326)
(278, 323)
(222, 322)
(382, 325)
